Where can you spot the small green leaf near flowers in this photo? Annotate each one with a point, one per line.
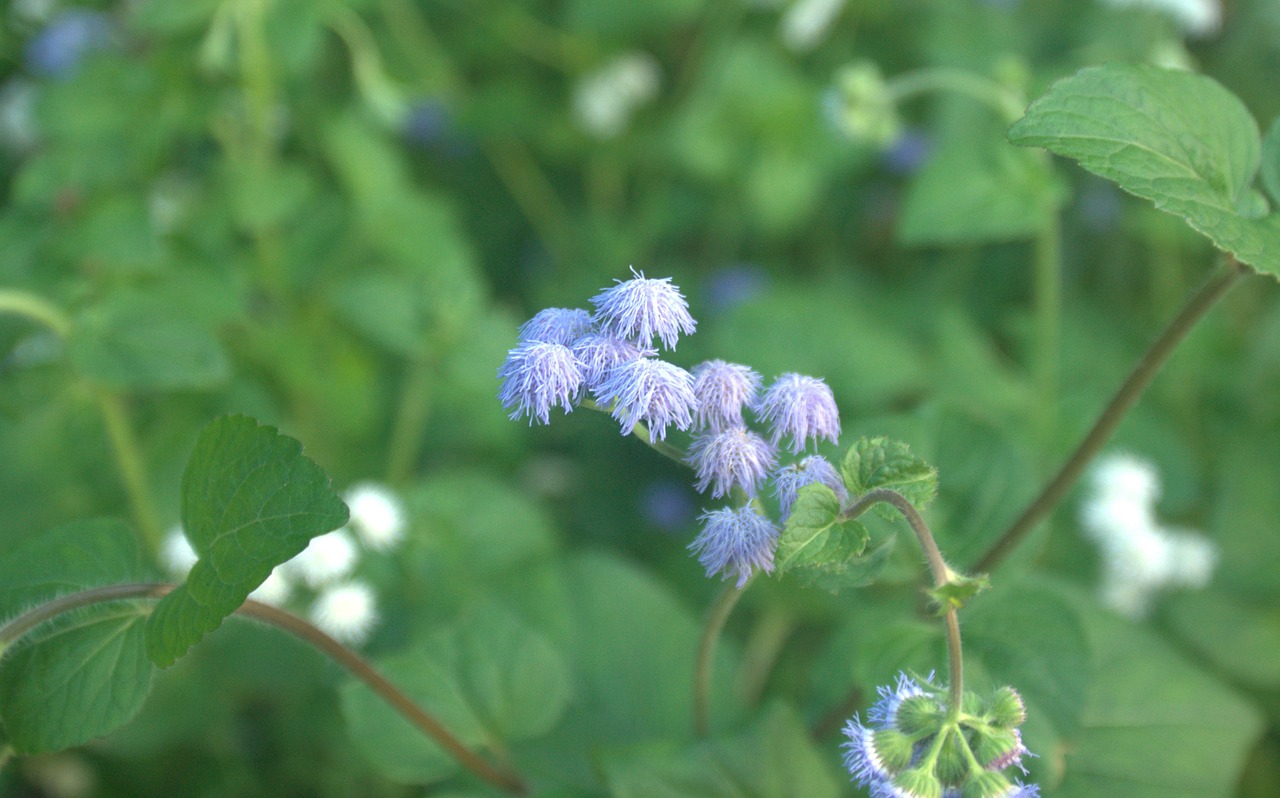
(882, 463)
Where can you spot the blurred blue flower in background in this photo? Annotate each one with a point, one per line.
(731, 286)
(908, 153)
(668, 505)
(58, 49)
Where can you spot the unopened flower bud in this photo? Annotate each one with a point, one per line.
(997, 749)
(918, 714)
(1008, 710)
(916, 783)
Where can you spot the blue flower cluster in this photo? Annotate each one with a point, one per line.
(565, 355)
(913, 746)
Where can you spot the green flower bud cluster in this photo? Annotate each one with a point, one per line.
(913, 746)
(861, 106)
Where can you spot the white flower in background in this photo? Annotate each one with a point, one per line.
(1196, 18)
(1139, 556)
(377, 515)
(347, 612)
(326, 559)
(274, 590)
(176, 554)
(604, 101)
(34, 10)
(805, 23)
(19, 131)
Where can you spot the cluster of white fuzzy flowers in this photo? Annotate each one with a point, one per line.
(1140, 557)
(565, 354)
(322, 576)
(1195, 18)
(604, 100)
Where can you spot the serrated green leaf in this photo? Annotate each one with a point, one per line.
(1271, 162)
(858, 571)
(66, 559)
(1242, 639)
(1178, 139)
(489, 679)
(969, 194)
(250, 501)
(1154, 726)
(882, 463)
(959, 591)
(813, 534)
(774, 758)
(81, 678)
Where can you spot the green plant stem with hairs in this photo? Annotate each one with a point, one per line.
(502, 778)
(942, 575)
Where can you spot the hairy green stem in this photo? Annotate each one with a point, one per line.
(36, 308)
(504, 780)
(763, 646)
(716, 618)
(133, 472)
(1005, 102)
(1048, 304)
(942, 574)
(641, 432)
(1132, 388)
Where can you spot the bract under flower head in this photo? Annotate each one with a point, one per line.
(651, 391)
(861, 758)
(641, 308)
(556, 326)
(733, 457)
(735, 542)
(799, 407)
(538, 376)
(884, 712)
(377, 515)
(347, 612)
(723, 389)
(598, 353)
(789, 479)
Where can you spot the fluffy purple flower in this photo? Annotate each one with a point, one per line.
(800, 407)
(722, 390)
(861, 758)
(733, 457)
(598, 353)
(788, 480)
(641, 308)
(556, 326)
(651, 391)
(536, 377)
(735, 541)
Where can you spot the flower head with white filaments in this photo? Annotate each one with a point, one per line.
(800, 408)
(556, 326)
(326, 559)
(176, 553)
(377, 515)
(733, 457)
(598, 353)
(641, 308)
(275, 589)
(789, 479)
(650, 391)
(538, 376)
(347, 612)
(737, 542)
(723, 389)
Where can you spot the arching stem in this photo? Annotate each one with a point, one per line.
(1134, 386)
(937, 566)
(716, 618)
(503, 779)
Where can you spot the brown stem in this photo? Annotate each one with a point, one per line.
(1136, 383)
(502, 779)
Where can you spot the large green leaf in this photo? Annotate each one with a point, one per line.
(83, 674)
(774, 758)
(970, 194)
(1243, 639)
(1154, 726)
(1178, 139)
(66, 559)
(250, 501)
(79, 679)
(489, 680)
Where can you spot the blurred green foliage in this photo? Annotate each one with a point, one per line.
(332, 215)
